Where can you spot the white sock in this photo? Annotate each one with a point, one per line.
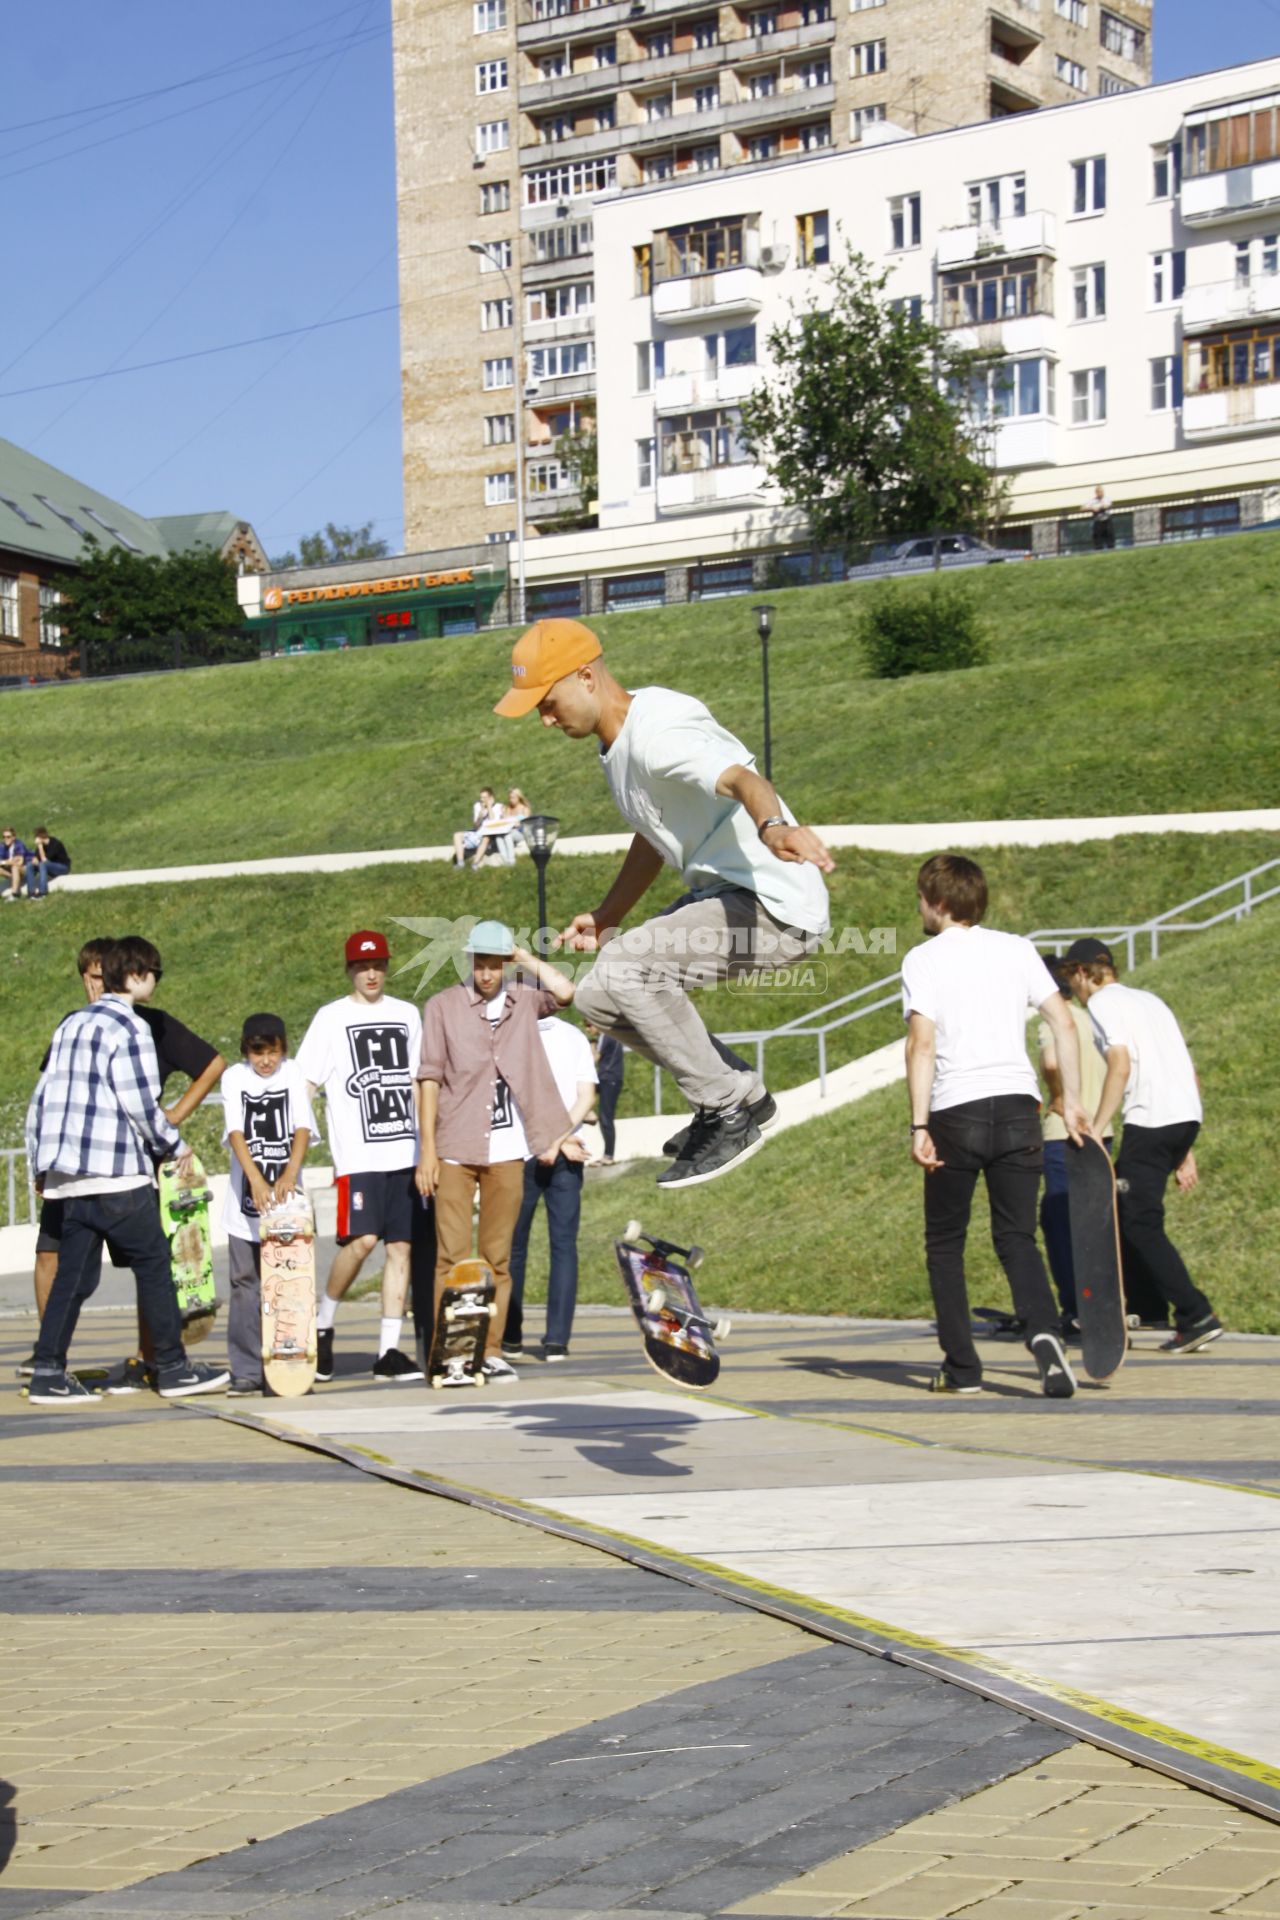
(326, 1313)
(389, 1336)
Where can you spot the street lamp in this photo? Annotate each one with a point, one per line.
(764, 627)
(487, 251)
(539, 832)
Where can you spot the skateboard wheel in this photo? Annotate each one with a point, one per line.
(722, 1328)
(695, 1257)
(632, 1231)
(657, 1300)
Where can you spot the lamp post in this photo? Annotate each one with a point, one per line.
(764, 627)
(487, 251)
(539, 832)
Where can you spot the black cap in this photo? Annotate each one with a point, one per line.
(1081, 952)
(262, 1026)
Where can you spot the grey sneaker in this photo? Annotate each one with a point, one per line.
(60, 1390)
(763, 1111)
(716, 1142)
(1191, 1339)
(1057, 1382)
(241, 1388)
(178, 1383)
(497, 1369)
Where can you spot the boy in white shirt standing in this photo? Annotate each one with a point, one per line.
(1150, 1071)
(360, 1051)
(269, 1127)
(975, 1109)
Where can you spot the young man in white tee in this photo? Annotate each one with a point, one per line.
(1150, 1073)
(555, 1178)
(756, 896)
(360, 1053)
(975, 1109)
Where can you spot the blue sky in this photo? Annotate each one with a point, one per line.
(252, 192)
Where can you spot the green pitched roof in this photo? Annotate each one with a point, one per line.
(183, 531)
(35, 497)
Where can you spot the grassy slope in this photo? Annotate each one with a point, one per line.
(1131, 681)
(837, 1224)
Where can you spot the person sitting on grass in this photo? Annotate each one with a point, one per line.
(13, 859)
(49, 862)
(485, 808)
(269, 1128)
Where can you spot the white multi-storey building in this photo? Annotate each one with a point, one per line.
(1120, 255)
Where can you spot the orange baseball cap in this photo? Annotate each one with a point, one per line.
(546, 653)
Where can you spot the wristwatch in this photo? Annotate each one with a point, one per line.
(774, 820)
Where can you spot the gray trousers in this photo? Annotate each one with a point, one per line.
(638, 988)
(244, 1314)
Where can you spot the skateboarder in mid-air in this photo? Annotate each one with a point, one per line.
(755, 895)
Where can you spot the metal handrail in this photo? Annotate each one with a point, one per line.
(11, 1156)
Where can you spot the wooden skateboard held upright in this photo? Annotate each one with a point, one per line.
(1095, 1255)
(679, 1339)
(289, 1296)
(462, 1327)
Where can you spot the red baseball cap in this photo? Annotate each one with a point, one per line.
(367, 946)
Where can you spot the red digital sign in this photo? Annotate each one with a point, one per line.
(404, 619)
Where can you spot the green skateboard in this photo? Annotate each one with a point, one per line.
(184, 1215)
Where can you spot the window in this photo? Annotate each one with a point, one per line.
(861, 117)
(62, 514)
(811, 138)
(697, 442)
(869, 56)
(659, 106)
(657, 166)
(1200, 520)
(698, 160)
(904, 222)
(91, 513)
(635, 590)
(1238, 138)
(659, 45)
(499, 373)
(492, 136)
(554, 66)
(1009, 390)
(547, 476)
(705, 34)
(651, 363)
(21, 511)
(911, 306)
(9, 622)
(704, 246)
(499, 488)
(555, 599)
(1089, 293)
(569, 182)
(644, 464)
(495, 196)
(604, 54)
(497, 254)
(765, 20)
(499, 429)
(1166, 383)
(1111, 83)
(996, 289)
(762, 146)
(559, 303)
(736, 347)
(991, 201)
(491, 76)
(1089, 185)
(1076, 11)
(814, 13)
(495, 314)
(489, 16)
(50, 631)
(1216, 362)
(1168, 276)
(553, 127)
(717, 579)
(813, 239)
(1120, 36)
(563, 241)
(554, 363)
(1089, 397)
(706, 99)
(1071, 73)
(815, 73)
(606, 116)
(1166, 170)
(1254, 257)
(763, 86)
(502, 538)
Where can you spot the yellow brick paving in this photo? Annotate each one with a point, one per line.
(1081, 1836)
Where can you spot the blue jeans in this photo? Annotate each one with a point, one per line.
(40, 873)
(131, 1221)
(561, 1188)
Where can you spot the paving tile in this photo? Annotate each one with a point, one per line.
(1217, 1870)
(929, 1896)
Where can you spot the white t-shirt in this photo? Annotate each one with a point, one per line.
(570, 1057)
(662, 770)
(268, 1113)
(1161, 1090)
(507, 1139)
(976, 986)
(363, 1057)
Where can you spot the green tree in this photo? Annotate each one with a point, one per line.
(331, 545)
(864, 426)
(579, 454)
(125, 612)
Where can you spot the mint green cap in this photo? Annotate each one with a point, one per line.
(491, 937)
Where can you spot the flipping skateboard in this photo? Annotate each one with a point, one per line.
(1095, 1254)
(679, 1339)
(289, 1296)
(462, 1327)
(184, 1215)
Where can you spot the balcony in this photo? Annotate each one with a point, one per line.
(1023, 233)
(709, 296)
(595, 83)
(1026, 443)
(1229, 301)
(579, 146)
(1023, 334)
(1010, 95)
(782, 109)
(1207, 199)
(682, 392)
(571, 326)
(541, 507)
(1231, 410)
(575, 20)
(549, 273)
(716, 487)
(566, 386)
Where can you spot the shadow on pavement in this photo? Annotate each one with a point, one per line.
(912, 1374)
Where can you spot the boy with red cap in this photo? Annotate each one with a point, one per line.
(360, 1052)
(755, 895)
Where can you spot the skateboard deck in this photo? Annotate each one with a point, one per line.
(1095, 1254)
(462, 1326)
(289, 1297)
(679, 1339)
(184, 1215)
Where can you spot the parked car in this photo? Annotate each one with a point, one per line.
(944, 549)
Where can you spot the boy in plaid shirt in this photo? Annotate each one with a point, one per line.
(94, 1125)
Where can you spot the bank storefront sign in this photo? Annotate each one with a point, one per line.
(334, 614)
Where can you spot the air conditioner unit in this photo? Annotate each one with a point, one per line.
(774, 256)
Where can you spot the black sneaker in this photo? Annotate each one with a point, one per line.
(27, 1368)
(1199, 1334)
(178, 1383)
(552, 1354)
(394, 1365)
(763, 1111)
(324, 1354)
(241, 1387)
(944, 1381)
(1057, 1382)
(132, 1377)
(60, 1390)
(716, 1142)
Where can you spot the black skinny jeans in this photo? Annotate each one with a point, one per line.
(130, 1221)
(999, 1138)
(1148, 1155)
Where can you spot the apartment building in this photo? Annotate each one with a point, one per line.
(516, 119)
